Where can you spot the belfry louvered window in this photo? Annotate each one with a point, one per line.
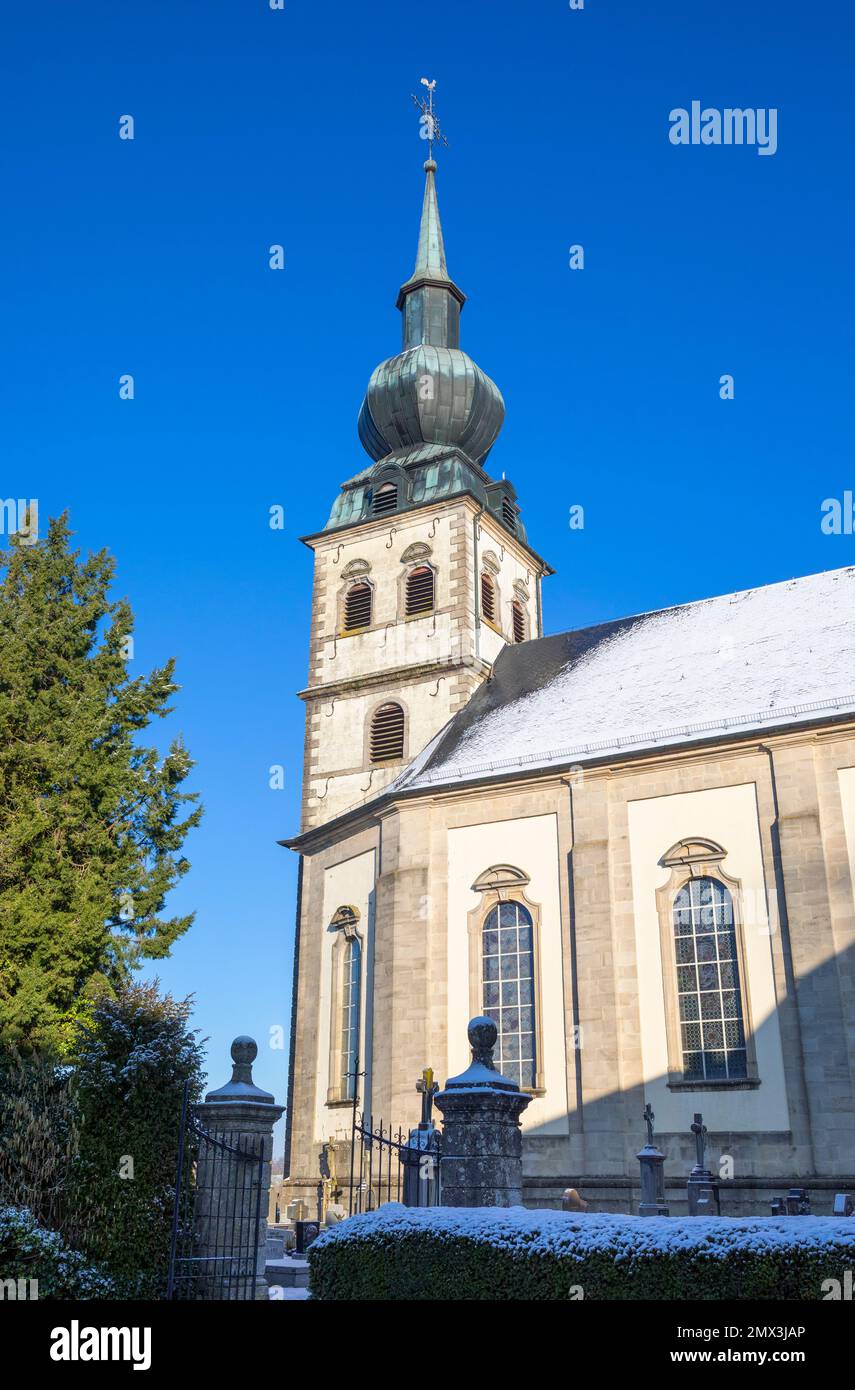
(387, 734)
(488, 597)
(509, 514)
(712, 1028)
(507, 958)
(385, 499)
(519, 620)
(357, 607)
(420, 591)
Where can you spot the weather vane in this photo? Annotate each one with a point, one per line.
(430, 130)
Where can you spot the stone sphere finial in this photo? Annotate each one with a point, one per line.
(244, 1050)
(482, 1071)
(482, 1039)
(241, 1088)
(244, 1053)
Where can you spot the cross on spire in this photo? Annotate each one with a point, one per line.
(430, 130)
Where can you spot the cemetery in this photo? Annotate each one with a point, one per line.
(438, 1214)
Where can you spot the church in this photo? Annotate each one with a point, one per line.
(632, 845)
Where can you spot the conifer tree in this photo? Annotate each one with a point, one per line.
(92, 821)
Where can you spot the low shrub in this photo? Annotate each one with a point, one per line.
(29, 1252)
(494, 1254)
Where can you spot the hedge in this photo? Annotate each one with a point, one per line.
(29, 1252)
(490, 1254)
(69, 1130)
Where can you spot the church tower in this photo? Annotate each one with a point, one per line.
(423, 571)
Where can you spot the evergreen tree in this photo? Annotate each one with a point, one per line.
(91, 822)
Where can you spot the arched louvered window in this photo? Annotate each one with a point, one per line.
(350, 987)
(385, 499)
(509, 514)
(420, 591)
(507, 946)
(488, 597)
(387, 734)
(357, 607)
(518, 613)
(712, 1029)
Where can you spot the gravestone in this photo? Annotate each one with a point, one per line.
(652, 1162)
(703, 1191)
(420, 1155)
(481, 1135)
(796, 1203)
(305, 1232)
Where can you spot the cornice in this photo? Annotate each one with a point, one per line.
(316, 539)
(511, 783)
(402, 674)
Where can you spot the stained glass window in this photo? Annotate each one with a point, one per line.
(351, 966)
(507, 942)
(712, 1030)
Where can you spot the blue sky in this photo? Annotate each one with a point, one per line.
(255, 127)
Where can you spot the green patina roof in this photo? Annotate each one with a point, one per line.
(430, 415)
(430, 256)
(428, 473)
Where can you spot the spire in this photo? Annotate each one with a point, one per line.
(430, 301)
(431, 396)
(430, 259)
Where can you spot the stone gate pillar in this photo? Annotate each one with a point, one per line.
(481, 1136)
(233, 1181)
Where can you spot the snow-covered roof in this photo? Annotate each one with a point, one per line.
(783, 654)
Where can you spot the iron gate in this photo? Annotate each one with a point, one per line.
(216, 1214)
(393, 1166)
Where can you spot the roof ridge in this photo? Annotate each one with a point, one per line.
(696, 602)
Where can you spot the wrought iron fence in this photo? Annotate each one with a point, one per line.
(389, 1165)
(217, 1212)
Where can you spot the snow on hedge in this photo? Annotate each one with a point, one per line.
(578, 1236)
(30, 1251)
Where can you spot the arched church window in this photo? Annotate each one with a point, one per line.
(509, 515)
(350, 995)
(518, 613)
(387, 734)
(507, 946)
(709, 994)
(385, 499)
(357, 607)
(420, 591)
(488, 597)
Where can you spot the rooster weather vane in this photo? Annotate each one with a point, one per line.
(430, 130)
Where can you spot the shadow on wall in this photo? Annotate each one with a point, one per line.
(812, 1146)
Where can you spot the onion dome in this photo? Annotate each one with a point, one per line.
(431, 393)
